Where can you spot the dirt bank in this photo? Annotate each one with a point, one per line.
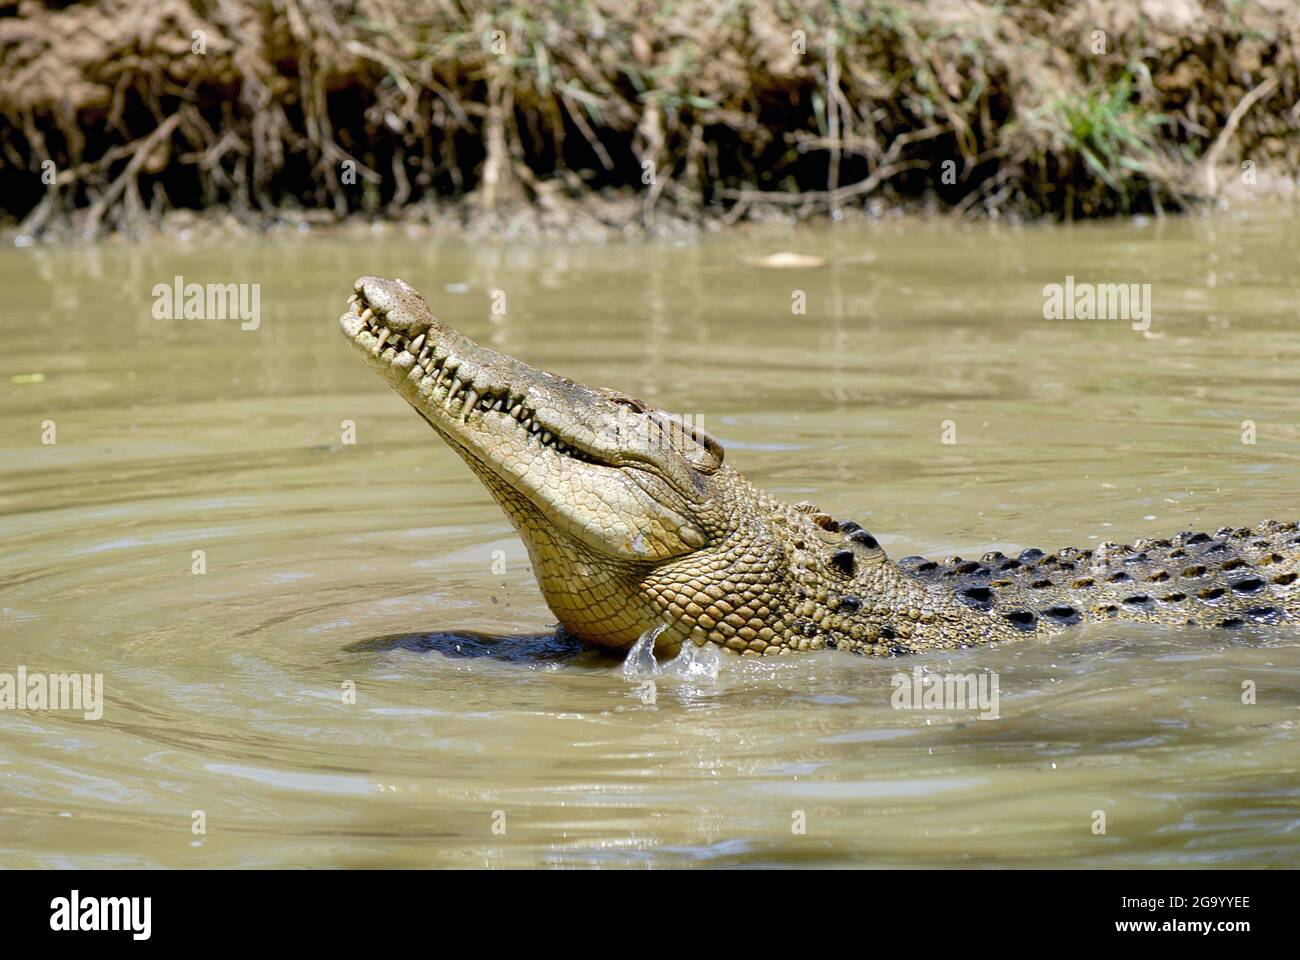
(119, 113)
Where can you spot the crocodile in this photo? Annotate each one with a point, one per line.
(633, 523)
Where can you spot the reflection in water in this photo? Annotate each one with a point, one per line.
(467, 643)
(210, 535)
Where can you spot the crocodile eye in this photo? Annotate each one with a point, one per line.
(632, 403)
(699, 447)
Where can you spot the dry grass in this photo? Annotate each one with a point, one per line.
(391, 106)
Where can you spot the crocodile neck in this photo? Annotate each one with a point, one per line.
(634, 523)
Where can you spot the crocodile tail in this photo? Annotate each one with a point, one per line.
(1231, 578)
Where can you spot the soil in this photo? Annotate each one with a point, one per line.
(613, 118)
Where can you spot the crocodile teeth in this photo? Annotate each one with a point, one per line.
(367, 315)
(383, 335)
(416, 344)
(456, 387)
(471, 401)
(515, 411)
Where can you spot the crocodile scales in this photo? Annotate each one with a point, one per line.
(632, 520)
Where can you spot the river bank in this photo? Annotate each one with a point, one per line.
(618, 118)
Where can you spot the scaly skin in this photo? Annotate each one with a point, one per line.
(632, 521)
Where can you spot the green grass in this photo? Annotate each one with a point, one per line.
(1112, 133)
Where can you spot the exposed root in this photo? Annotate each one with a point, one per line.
(121, 111)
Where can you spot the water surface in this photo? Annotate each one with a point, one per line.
(478, 739)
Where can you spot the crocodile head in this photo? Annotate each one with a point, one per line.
(603, 488)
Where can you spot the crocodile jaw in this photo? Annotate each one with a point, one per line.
(594, 504)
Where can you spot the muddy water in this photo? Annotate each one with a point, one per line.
(475, 738)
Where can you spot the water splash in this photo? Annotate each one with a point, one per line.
(640, 661)
(691, 663)
(695, 662)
